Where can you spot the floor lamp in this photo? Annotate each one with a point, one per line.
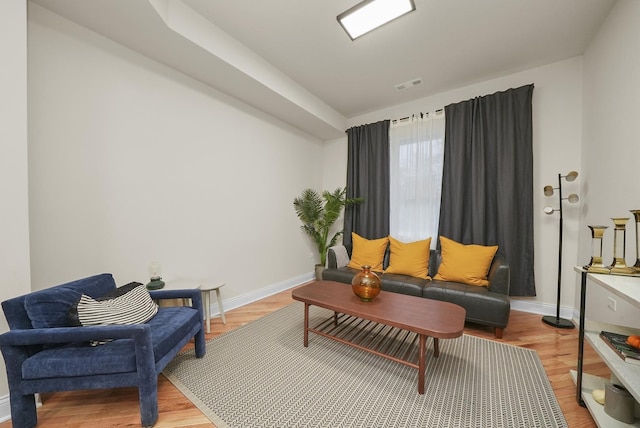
(572, 198)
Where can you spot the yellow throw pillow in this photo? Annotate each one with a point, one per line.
(468, 264)
(409, 258)
(367, 252)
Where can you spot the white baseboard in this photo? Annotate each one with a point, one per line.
(5, 408)
(244, 299)
(543, 308)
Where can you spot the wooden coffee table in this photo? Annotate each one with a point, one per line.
(425, 317)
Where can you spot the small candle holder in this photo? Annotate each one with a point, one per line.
(636, 215)
(595, 264)
(619, 264)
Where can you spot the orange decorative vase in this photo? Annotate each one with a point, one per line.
(366, 284)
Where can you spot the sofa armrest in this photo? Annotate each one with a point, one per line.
(337, 257)
(499, 275)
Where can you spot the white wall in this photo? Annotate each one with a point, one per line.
(557, 133)
(611, 149)
(611, 143)
(334, 155)
(113, 132)
(131, 162)
(14, 224)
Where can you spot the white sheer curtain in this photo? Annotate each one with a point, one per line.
(416, 157)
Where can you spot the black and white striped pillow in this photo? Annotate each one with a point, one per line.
(129, 304)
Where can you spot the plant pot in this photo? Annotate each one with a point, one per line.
(319, 270)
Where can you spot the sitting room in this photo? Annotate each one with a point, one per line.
(493, 142)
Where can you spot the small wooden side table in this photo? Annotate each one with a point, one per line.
(205, 287)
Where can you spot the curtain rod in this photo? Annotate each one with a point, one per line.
(402, 119)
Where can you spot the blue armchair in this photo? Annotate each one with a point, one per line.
(60, 357)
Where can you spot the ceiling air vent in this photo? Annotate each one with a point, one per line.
(409, 84)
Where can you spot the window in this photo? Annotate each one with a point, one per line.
(416, 160)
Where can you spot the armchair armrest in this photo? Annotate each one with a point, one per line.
(18, 345)
(190, 293)
(499, 275)
(47, 336)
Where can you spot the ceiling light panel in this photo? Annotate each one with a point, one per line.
(371, 14)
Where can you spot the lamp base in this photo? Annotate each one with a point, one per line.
(557, 322)
(156, 283)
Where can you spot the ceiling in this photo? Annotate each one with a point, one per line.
(292, 60)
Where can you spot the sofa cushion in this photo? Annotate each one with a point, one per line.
(409, 258)
(81, 359)
(50, 308)
(96, 285)
(403, 284)
(129, 304)
(482, 306)
(343, 274)
(368, 252)
(168, 328)
(170, 325)
(468, 264)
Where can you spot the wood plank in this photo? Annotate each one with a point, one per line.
(558, 349)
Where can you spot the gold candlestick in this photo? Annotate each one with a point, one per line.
(619, 264)
(636, 215)
(595, 264)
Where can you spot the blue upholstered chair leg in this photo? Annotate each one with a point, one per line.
(200, 344)
(23, 410)
(147, 379)
(148, 393)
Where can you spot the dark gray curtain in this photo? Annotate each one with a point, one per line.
(487, 183)
(368, 178)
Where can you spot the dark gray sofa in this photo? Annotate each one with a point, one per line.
(484, 305)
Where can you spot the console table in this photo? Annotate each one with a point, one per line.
(627, 289)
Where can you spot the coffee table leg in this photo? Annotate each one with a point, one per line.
(421, 363)
(436, 347)
(306, 325)
(335, 318)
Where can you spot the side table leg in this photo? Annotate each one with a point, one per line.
(436, 347)
(224, 321)
(207, 309)
(306, 325)
(421, 363)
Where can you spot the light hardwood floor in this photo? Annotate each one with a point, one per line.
(119, 407)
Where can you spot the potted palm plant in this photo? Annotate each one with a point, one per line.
(318, 213)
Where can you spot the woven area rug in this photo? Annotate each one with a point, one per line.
(261, 375)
